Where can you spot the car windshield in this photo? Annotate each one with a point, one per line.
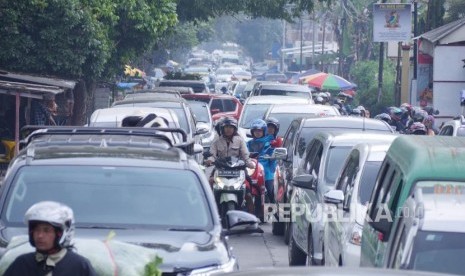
(438, 252)
(285, 120)
(200, 111)
(367, 180)
(113, 196)
(182, 117)
(300, 94)
(334, 162)
(252, 112)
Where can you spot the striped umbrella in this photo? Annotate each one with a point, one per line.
(329, 82)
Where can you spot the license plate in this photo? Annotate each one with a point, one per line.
(229, 173)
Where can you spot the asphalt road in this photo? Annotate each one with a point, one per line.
(260, 250)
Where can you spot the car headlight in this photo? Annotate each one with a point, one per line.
(356, 235)
(230, 266)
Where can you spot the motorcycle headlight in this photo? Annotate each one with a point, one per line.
(356, 235)
(230, 266)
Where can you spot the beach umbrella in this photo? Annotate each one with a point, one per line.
(326, 81)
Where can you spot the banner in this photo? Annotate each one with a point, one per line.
(392, 22)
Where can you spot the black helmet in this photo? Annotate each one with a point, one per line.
(228, 121)
(273, 121)
(384, 117)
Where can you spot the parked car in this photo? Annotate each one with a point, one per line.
(296, 139)
(131, 183)
(454, 127)
(220, 105)
(257, 107)
(320, 167)
(410, 161)
(430, 234)
(199, 86)
(203, 116)
(343, 235)
(281, 89)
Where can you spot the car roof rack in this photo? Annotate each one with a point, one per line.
(159, 133)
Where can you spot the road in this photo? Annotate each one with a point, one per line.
(260, 250)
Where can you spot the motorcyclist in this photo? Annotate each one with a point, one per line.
(51, 229)
(261, 143)
(229, 144)
(417, 128)
(272, 125)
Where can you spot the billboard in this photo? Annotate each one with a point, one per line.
(392, 22)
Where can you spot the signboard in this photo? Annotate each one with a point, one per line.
(392, 22)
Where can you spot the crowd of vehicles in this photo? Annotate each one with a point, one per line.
(349, 190)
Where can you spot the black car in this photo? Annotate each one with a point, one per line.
(298, 135)
(129, 181)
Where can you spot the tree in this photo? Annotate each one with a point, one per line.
(364, 73)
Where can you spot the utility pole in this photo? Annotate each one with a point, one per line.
(313, 40)
(283, 46)
(380, 67)
(341, 50)
(415, 19)
(301, 44)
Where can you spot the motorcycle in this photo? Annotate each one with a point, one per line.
(255, 183)
(229, 184)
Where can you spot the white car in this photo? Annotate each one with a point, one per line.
(257, 107)
(454, 127)
(343, 234)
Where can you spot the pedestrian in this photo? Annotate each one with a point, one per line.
(42, 111)
(51, 229)
(65, 103)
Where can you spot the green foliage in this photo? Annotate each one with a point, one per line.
(455, 11)
(189, 10)
(151, 269)
(365, 75)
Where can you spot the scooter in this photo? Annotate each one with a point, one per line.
(229, 183)
(255, 183)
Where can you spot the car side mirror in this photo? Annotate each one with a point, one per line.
(279, 153)
(334, 197)
(240, 222)
(305, 181)
(201, 128)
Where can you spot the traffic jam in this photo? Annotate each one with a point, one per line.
(180, 167)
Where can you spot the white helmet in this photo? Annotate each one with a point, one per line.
(58, 215)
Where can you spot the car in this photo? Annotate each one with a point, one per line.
(220, 105)
(281, 89)
(454, 127)
(315, 181)
(129, 183)
(279, 77)
(180, 89)
(430, 233)
(343, 235)
(296, 139)
(203, 116)
(199, 86)
(112, 117)
(286, 113)
(257, 107)
(179, 106)
(411, 160)
(157, 91)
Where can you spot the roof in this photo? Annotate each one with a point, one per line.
(206, 95)
(149, 99)
(116, 114)
(281, 86)
(347, 122)
(277, 100)
(304, 109)
(32, 86)
(429, 157)
(352, 138)
(450, 33)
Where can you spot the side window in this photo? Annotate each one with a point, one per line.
(311, 165)
(398, 248)
(288, 142)
(350, 181)
(229, 105)
(216, 104)
(392, 198)
(379, 189)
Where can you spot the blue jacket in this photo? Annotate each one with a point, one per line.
(263, 147)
